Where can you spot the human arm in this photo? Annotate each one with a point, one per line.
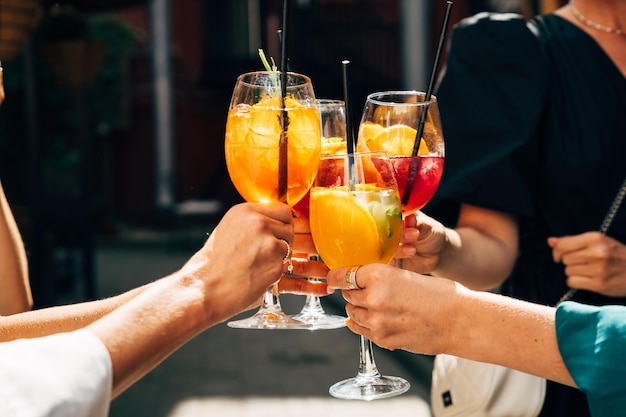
(71, 317)
(228, 275)
(593, 262)
(64, 318)
(399, 309)
(479, 253)
(15, 293)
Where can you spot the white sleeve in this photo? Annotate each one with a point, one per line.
(67, 374)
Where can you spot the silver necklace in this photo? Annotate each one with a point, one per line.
(591, 23)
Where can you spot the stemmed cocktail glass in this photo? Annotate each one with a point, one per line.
(356, 219)
(392, 121)
(272, 147)
(333, 119)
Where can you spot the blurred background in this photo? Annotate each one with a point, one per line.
(115, 109)
(111, 141)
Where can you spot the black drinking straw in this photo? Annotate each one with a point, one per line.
(420, 129)
(284, 117)
(349, 129)
(279, 35)
(346, 98)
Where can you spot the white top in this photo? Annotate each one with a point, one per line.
(67, 374)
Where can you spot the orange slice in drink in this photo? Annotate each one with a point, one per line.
(367, 131)
(396, 140)
(343, 229)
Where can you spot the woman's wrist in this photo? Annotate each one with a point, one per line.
(446, 253)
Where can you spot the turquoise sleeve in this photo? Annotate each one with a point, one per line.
(592, 342)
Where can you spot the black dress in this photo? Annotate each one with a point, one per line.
(534, 126)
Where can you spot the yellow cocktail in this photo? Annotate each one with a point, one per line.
(355, 221)
(355, 227)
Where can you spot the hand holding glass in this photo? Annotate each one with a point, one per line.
(356, 219)
(254, 131)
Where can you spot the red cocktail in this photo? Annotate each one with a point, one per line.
(428, 176)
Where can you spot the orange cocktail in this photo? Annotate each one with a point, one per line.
(253, 134)
(272, 147)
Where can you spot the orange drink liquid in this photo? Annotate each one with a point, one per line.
(252, 148)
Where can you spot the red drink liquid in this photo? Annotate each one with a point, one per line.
(301, 208)
(327, 168)
(429, 171)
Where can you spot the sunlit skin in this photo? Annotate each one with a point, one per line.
(15, 291)
(226, 276)
(399, 309)
(593, 262)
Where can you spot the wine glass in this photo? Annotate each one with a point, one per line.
(255, 129)
(391, 121)
(333, 120)
(356, 219)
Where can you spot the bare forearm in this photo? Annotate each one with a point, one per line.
(146, 330)
(15, 296)
(59, 319)
(481, 252)
(15, 293)
(475, 260)
(508, 332)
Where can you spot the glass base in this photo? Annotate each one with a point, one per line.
(368, 388)
(269, 320)
(320, 321)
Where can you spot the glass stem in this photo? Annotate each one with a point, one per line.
(271, 303)
(312, 305)
(367, 365)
